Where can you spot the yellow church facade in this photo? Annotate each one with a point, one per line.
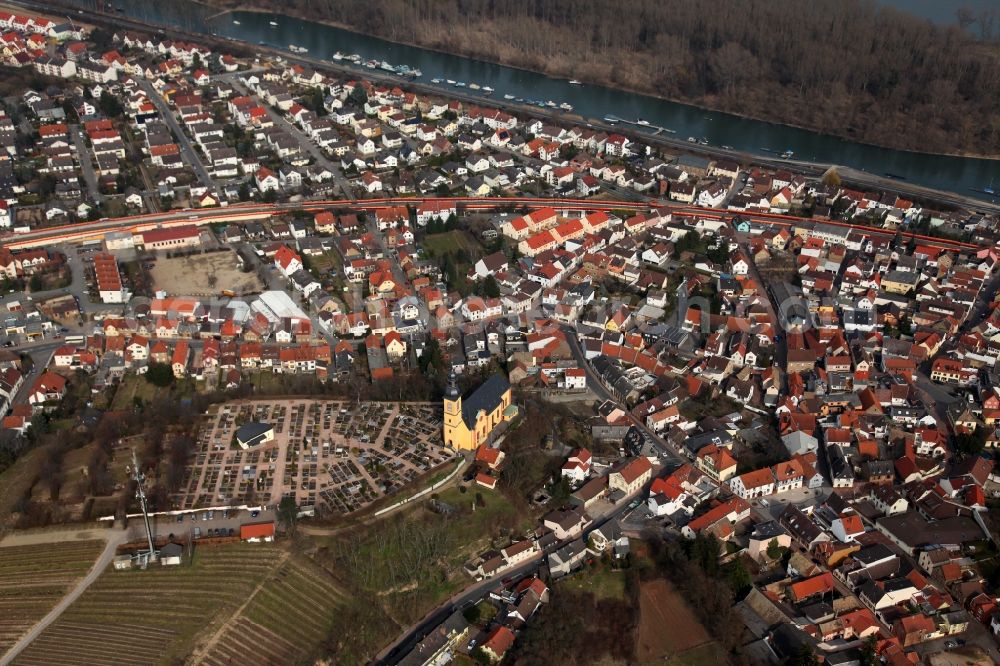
(470, 422)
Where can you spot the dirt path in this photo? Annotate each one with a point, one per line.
(115, 538)
(55, 536)
(206, 648)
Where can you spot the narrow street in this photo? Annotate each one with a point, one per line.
(774, 310)
(594, 384)
(414, 634)
(86, 164)
(188, 152)
(306, 144)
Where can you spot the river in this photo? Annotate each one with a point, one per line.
(965, 176)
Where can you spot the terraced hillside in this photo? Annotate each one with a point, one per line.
(289, 615)
(227, 593)
(34, 578)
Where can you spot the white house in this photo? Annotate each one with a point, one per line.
(577, 466)
(758, 483)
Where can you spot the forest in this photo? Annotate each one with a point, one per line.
(845, 67)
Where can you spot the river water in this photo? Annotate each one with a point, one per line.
(959, 174)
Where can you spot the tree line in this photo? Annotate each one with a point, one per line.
(846, 67)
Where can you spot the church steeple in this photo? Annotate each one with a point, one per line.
(452, 392)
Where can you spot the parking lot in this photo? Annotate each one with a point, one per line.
(208, 523)
(335, 456)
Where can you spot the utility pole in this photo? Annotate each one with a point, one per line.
(140, 493)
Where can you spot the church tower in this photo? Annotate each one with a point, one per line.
(453, 424)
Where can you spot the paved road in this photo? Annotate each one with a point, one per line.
(402, 645)
(595, 384)
(188, 153)
(115, 538)
(86, 164)
(781, 346)
(306, 144)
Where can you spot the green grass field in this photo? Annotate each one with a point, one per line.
(603, 582)
(34, 578)
(133, 386)
(451, 241)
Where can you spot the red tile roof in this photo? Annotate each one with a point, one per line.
(810, 587)
(257, 530)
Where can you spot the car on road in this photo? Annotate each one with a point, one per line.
(950, 644)
(254, 514)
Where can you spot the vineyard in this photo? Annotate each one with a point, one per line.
(134, 617)
(289, 616)
(34, 578)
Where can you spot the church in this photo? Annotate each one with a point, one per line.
(470, 422)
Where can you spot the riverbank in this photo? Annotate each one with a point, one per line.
(55, 18)
(862, 175)
(607, 79)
